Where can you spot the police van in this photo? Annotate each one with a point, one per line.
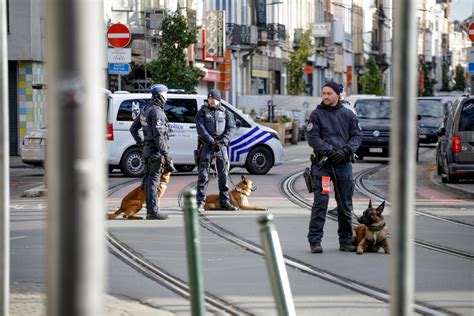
(254, 147)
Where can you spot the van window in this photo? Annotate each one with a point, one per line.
(466, 120)
(130, 109)
(181, 110)
(373, 109)
(430, 108)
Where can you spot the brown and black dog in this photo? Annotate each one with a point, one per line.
(133, 202)
(371, 235)
(238, 197)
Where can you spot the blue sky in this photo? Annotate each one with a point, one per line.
(461, 9)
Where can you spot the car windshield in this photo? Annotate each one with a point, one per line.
(373, 109)
(430, 108)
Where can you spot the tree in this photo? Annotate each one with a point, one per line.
(371, 80)
(426, 88)
(298, 58)
(444, 77)
(171, 67)
(459, 79)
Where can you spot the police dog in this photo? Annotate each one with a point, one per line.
(133, 202)
(238, 197)
(371, 235)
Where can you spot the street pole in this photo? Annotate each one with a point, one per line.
(403, 166)
(75, 157)
(193, 251)
(4, 169)
(276, 266)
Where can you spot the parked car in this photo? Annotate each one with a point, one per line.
(374, 117)
(254, 147)
(432, 111)
(301, 121)
(455, 148)
(33, 147)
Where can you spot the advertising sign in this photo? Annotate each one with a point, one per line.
(215, 33)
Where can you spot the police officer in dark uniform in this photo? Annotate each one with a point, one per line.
(215, 127)
(334, 134)
(155, 146)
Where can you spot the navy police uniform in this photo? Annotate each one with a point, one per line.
(215, 128)
(154, 122)
(334, 134)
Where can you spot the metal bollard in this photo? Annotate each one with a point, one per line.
(276, 266)
(193, 253)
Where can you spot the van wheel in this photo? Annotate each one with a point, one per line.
(451, 178)
(439, 170)
(185, 168)
(133, 163)
(259, 160)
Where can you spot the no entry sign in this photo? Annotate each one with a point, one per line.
(118, 35)
(471, 31)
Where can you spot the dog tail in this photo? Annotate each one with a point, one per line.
(114, 214)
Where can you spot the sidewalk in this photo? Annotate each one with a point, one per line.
(30, 299)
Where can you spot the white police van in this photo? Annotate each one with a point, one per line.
(255, 147)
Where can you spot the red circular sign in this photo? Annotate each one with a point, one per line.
(471, 31)
(118, 35)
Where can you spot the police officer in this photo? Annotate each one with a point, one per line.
(155, 146)
(334, 134)
(215, 127)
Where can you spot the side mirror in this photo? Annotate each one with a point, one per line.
(441, 131)
(418, 117)
(238, 123)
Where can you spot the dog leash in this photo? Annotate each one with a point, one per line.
(337, 192)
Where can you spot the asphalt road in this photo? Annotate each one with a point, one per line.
(444, 282)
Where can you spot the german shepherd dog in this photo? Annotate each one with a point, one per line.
(133, 202)
(238, 197)
(371, 235)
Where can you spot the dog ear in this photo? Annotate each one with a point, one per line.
(380, 208)
(244, 178)
(370, 203)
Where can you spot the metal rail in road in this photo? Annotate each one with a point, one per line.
(287, 188)
(153, 272)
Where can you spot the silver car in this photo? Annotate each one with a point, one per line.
(33, 147)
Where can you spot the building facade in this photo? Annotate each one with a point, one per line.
(259, 38)
(26, 68)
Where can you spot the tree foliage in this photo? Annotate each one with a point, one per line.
(171, 67)
(444, 77)
(371, 80)
(298, 58)
(427, 89)
(459, 79)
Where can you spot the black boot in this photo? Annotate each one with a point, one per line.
(229, 207)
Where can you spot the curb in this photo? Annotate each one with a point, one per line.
(452, 188)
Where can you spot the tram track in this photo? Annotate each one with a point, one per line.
(287, 188)
(304, 267)
(140, 263)
(364, 189)
(215, 304)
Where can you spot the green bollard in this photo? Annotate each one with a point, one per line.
(276, 266)
(193, 253)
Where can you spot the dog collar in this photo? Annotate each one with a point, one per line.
(377, 228)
